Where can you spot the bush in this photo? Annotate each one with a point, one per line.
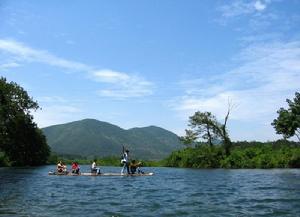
(279, 154)
(3, 160)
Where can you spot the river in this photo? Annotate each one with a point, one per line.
(170, 192)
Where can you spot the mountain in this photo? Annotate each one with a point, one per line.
(90, 138)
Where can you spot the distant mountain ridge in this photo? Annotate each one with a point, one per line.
(93, 138)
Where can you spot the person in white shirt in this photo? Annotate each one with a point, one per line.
(94, 168)
(125, 162)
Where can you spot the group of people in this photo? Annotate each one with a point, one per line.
(75, 168)
(131, 167)
(62, 168)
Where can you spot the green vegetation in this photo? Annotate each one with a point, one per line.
(105, 161)
(279, 154)
(205, 126)
(22, 143)
(4, 160)
(288, 121)
(68, 159)
(91, 138)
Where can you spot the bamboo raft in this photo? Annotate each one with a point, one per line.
(101, 174)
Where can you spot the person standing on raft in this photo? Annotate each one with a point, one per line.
(125, 161)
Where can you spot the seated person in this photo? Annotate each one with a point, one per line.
(94, 168)
(75, 168)
(135, 166)
(61, 168)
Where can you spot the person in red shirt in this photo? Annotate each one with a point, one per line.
(75, 168)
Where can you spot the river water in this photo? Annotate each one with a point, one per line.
(170, 192)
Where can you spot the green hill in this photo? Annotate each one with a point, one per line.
(89, 138)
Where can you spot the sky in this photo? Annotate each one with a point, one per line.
(138, 63)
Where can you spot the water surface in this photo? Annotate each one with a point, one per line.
(170, 192)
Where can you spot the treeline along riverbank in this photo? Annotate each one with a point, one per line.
(263, 155)
(104, 161)
(278, 154)
(204, 126)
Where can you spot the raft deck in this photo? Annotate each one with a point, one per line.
(101, 174)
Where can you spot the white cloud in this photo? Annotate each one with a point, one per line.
(56, 114)
(23, 53)
(110, 76)
(265, 75)
(259, 6)
(123, 93)
(236, 8)
(123, 85)
(9, 65)
(242, 7)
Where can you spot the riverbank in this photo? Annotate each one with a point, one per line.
(105, 161)
(278, 154)
(256, 155)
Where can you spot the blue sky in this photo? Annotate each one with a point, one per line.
(140, 63)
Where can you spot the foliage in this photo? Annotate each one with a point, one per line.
(68, 159)
(223, 132)
(20, 139)
(159, 163)
(3, 160)
(288, 120)
(105, 161)
(203, 156)
(203, 125)
(279, 154)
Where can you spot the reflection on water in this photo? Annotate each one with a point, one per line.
(170, 192)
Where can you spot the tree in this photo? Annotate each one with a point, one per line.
(13, 100)
(27, 144)
(223, 132)
(20, 138)
(189, 138)
(288, 120)
(203, 126)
